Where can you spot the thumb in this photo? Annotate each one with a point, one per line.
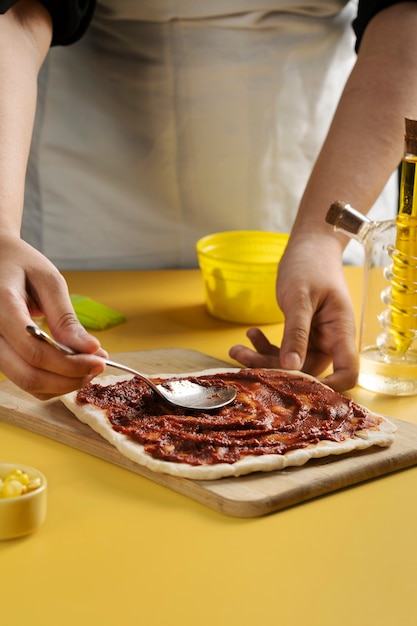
(64, 324)
(66, 329)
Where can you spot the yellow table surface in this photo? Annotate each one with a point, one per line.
(117, 549)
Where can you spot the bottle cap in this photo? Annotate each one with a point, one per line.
(410, 136)
(344, 217)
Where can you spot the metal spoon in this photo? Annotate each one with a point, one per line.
(181, 392)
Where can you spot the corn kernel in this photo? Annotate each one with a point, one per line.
(19, 475)
(17, 483)
(12, 488)
(33, 484)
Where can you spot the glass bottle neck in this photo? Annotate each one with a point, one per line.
(349, 221)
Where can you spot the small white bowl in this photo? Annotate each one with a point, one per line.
(22, 515)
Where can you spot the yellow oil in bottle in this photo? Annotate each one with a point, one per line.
(403, 305)
(379, 373)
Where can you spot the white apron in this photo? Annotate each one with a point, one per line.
(172, 119)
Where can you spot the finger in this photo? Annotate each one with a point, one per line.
(35, 367)
(52, 296)
(265, 354)
(296, 336)
(316, 362)
(250, 358)
(261, 343)
(19, 343)
(345, 366)
(45, 372)
(340, 380)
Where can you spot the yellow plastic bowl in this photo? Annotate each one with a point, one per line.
(239, 270)
(22, 515)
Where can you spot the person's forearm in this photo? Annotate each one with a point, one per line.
(365, 141)
(25, 35)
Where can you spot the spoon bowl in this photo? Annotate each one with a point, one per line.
(181, 392)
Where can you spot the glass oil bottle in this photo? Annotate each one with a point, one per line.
(388, 333)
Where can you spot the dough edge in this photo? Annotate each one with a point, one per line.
(96, 419)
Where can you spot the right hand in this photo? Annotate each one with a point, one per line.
(30, 287)
(319, 322)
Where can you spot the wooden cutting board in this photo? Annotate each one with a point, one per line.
(246, 496)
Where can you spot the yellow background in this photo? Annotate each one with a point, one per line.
(118, 549)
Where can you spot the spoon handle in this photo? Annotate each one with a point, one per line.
(126, 368)
(43, 336)
(40, 334)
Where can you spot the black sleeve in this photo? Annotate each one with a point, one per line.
(70, 18)
(366, 11)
